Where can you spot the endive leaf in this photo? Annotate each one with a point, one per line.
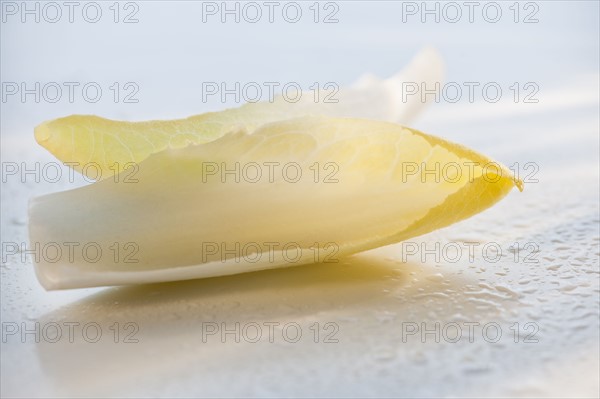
(109, 146)
(184, 220)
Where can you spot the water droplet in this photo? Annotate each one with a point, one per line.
(437, 277)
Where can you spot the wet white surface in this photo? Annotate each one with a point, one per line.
(548, 283)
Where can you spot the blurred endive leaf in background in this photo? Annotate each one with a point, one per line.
(110, 146)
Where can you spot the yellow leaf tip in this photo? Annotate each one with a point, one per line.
(42, 133)
(520, 185)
